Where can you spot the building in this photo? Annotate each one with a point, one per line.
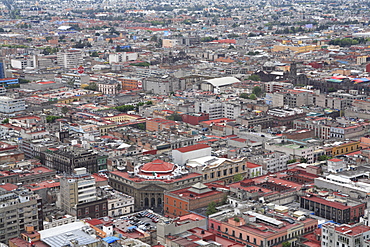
(163, 84)
(271, 161)
(194, 118)
(216, 109)
(217, 85)
(148, 182)
(295, 150)
(341, 210)
(119, 204)
(158, 124)
(68, 160)
(286, 116)
(19, 208)
(333, 235)
(336, 165)
(263, 230)
(180, 202)
(77, 188)
(121, 57)
(11, 105)
(69, 59)
(182, 155)
(222, 169)
(109, 87)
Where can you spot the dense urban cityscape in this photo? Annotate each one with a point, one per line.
(184, 123)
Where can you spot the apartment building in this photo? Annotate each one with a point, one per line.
(217, 109)
(11, 105)
(69, 59)
(345, 235)
(271, 161)
(19, 208)
(77, 188)
(121, 57)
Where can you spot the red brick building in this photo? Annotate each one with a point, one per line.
(195, 119)
(179, 202)
(157, 124)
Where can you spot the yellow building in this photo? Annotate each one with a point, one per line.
(344, 148)
(295, 48)
(122, 118)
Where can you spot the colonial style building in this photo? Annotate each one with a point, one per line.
(148, 182)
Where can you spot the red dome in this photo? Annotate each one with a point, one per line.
(158, 166)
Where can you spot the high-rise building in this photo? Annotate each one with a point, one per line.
(19, 208)
(77, 188)
(69, 59)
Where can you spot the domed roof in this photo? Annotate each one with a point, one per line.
(158, 166)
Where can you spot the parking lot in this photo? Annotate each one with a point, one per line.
(144, 220)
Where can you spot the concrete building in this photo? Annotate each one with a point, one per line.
(296, 151)
(19, 208)
(121, 57)
(10, 105)
(69, 59)
(336, 165)
(217, 109)
(75, 189)
(338, 209)
(272, 161)
(119, 204)
(345, 235)
(182, 155)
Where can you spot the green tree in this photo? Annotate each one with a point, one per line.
(141, 126)
(257, 91)
(254, 78)
(253, 97)
(211, 208)
(323, 157)
(94, 54)
(236, 219)
(119, 87)
(51, 119)
(286, 244)
(5, 121)
(65, 110)
(244, 95)
(238, 177)
(304, 160)
(175, 117)
(92, 86)
(149, 102)
(291, 161)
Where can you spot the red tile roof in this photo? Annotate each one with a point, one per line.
(192, 148)
(158, 166)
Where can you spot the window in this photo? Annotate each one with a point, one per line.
(205, 176)
(104, 206)
(86, 210)
(218, 173)
(212, 226)
(218, 228)
(96, 208)
(225, 172)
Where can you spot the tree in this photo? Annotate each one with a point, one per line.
(149, 102)
(5, 121)
(65, 109)
(92, 86)
(119, 87)
(141, 126)
(94, 54)
(254, 78)
(257, 91)
(304, 160)
(286, 244)
(110, 41)
(238, 177)
(211, 209)
(323, 157)
(253, 97)
(175, 117)
(236, 219)
(51, 119)
(244, 95)
(291, 161)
